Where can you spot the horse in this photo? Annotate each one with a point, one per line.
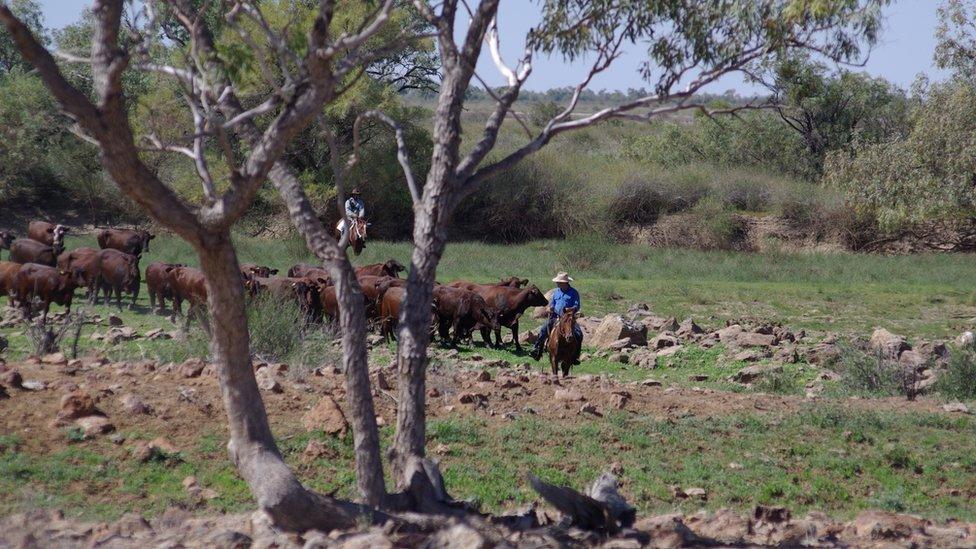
(357, 234)
(562, 345)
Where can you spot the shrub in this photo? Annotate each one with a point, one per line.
(876, 375)
(543, 111)
(276, 327)
(958, 380)
(780, 382)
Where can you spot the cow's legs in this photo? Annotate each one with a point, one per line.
(515, 338)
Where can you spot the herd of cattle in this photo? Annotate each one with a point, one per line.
(40, 271)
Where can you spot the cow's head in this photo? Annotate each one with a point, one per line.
(146, 237)
(393, 267)
(251, 283)
(6, 238)
(535, 297)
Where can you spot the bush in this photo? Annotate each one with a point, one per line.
(276, 327)
(958, 380)
(543, 111)
(876, 375)
(779, 382)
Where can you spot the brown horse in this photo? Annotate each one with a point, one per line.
(563, 346)
(357, 234)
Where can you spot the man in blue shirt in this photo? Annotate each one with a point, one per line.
(564, 297)
(355, 209)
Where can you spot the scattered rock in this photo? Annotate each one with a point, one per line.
(670, 351)
(159, 449)
(613, 328)
(688, 329)
(590, 408)
(484, 375)
(729, 333)
(698, 377)
(327, 416)
(619, 401)
(567, 395)
(882, 525)
(433, 392)
(619, 358)
(316, 449)
(114, 320)
(749, 355)
(689, 493)
(662, 340)
(157, 334)
(650, 383)
(888, 344)
(12, 379)
(957, 407)
(769, 513)
(77, 404)
(966, 338)
(132, 404)
(644, 358)
(268, 381)
(57, 359)
(753, 339)
(751, 374)
(191, 368)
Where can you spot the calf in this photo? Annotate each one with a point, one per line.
(44, 283)
(47, 233)
(189, 285)
(86, 262)
(258, 270)
(8, 271)
(461, 310)
(508, 303)
(159, 283)
(25, 250)
(6, 239)
(130, 241)
(118, 273)
(391, 268)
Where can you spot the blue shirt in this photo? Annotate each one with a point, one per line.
(560, 300)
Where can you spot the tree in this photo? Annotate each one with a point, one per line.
(830, 110)
(929, 175)
(689, 47)
(29, 12)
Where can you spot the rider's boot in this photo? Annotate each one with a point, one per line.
(536, 352)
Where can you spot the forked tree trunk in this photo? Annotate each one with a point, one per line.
(252, 447)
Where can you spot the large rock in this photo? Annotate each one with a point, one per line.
(192, 368)
(662, 340)
(882, 525)
(688, 329)
(94, 425)
(729, 333)
(326, 415)
(888, 344)
(614, 328)
(751, 374)
(77, 404)
(753, 339)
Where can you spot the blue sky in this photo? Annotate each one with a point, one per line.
(904, 51)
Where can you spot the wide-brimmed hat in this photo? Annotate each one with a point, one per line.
(563, 277)
(355, 191)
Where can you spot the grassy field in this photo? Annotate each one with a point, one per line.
(918, 295)
(823, 457)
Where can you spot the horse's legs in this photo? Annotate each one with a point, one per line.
(553, 362)
(566, 365)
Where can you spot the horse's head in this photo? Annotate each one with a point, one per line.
(357, 234)
(566, 324)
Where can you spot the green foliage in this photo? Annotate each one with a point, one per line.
(925, 176)
(958, 379)
(544, 111)
(29, 12)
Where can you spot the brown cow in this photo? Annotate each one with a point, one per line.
(132, 242)
(389, 310)
(373, 288)
(304, 270)
(391, 268)
(8, 271)
(509, 303)
(330, 303)
(258, 270)
(44, 283)
(461, 310)
(6, 239)
(87, 262)
(159, 283)
(304, 291)
(25, 250)
(119, 272)
(47, 233)
(513, 282)
(190, 285)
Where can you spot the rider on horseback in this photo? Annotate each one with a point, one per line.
(565, 296)
(355, 209)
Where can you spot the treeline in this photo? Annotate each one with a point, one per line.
(844, 155)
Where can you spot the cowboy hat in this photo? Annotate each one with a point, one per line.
(355, 191)
(563, 277)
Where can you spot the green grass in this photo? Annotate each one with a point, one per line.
(823, 457)
(918, 295)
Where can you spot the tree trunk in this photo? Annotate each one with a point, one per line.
(252, 447)
(352, 320)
